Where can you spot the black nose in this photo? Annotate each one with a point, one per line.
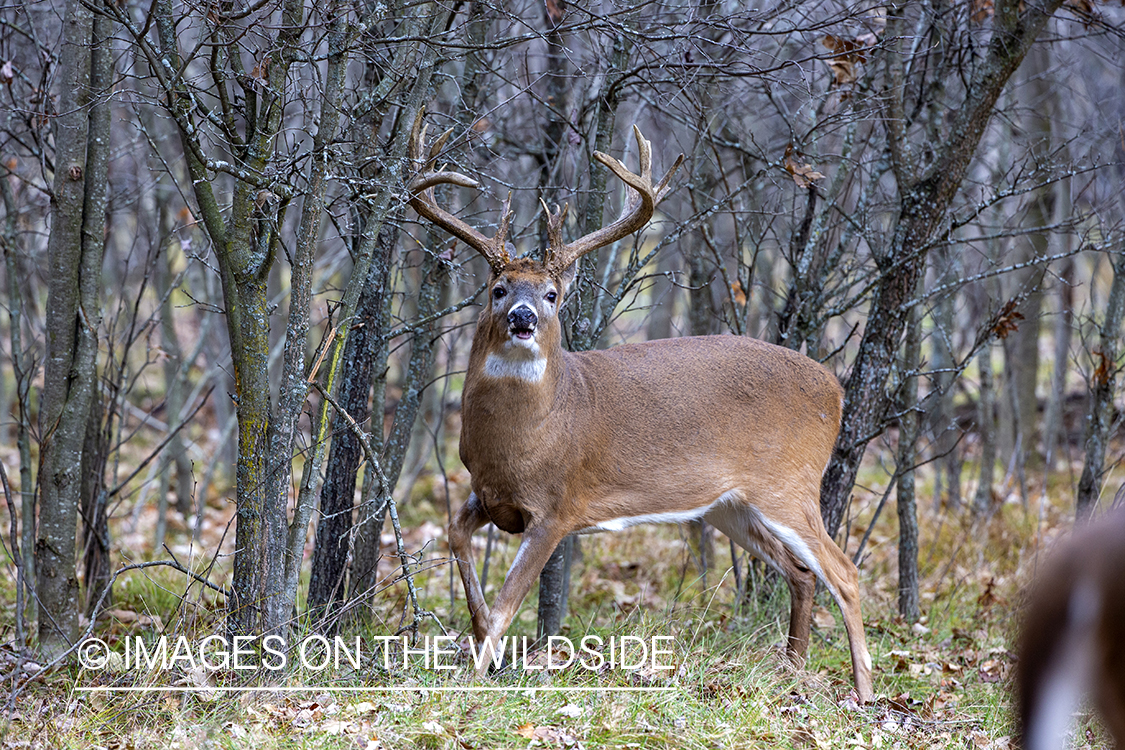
(523, 318)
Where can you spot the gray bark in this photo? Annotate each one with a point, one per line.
(1103, 386)
(22, 377)
(986, 428)
(909, 423)
(75, 249)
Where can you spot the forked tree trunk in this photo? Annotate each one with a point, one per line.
(75, 250)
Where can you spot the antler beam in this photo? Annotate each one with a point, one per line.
(642, 202)
(494, 249)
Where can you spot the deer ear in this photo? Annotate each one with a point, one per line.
(567, 277)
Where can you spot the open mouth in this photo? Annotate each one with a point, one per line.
(522, 333)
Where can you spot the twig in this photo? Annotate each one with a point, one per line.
(17, 558)
(156, 451)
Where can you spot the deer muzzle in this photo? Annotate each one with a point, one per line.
(522, 321)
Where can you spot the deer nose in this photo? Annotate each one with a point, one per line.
(522, 317)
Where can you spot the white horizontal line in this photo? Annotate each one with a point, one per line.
(350, 689)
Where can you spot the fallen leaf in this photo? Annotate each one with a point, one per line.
(336, 727)
(823, 618)
(366, 707)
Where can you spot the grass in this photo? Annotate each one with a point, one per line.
(942, 682)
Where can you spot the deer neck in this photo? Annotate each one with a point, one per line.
(514, 399)
(520, 381)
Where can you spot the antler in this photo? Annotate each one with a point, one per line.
(422, 199)
(643, 200)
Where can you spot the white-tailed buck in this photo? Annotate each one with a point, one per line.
(723, 428)
(1073, 639)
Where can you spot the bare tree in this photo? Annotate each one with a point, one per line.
(75, 248)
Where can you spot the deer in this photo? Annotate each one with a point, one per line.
(724, 428)
(1072, 640)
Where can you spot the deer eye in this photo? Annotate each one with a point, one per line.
(499, 292)
(551, 296)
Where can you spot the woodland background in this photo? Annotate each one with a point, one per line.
(209, 262)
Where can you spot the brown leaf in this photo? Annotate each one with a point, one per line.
(546, 735)
(982, 10)
(803, 174)
(847, 54)
(262, 69)
(845, 49)
(1006, 320)
(555, 10)
(1104, 370)
(738, 293)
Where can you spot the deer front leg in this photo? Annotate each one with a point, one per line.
(469, 518)
(536, 548)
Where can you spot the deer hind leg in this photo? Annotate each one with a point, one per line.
(802, 587)
(801, 556)
(842, 579)
(746, 526)
(469, 518)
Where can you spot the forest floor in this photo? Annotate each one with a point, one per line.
(943, 681)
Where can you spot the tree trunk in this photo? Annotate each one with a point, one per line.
(98, 570)
(1054, 418)
(364, 574)
(908, 600)
(986, 427)
(554, 579)
(943, 417)
(12, 248)
(1103, 386)
(75, 249)
(337, 494)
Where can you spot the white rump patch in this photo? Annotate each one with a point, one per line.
(528, 370)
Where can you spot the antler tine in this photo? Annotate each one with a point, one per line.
(500, 239)
(423, 201)
(637, 211)
(555, 222)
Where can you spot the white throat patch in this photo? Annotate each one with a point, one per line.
(528, 370)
